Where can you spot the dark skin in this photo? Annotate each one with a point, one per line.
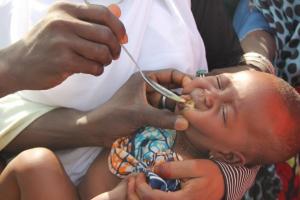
(131, 107)
(50, 130)
(202, 181)
(83, 39)
(25, 178)
(75, 45)
(84, 33)
(258, 41)
(126, 108)
(193, 180)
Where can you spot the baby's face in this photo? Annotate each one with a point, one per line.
(232, 114)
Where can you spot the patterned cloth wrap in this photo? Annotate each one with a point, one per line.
(149, 147)
(283, 18)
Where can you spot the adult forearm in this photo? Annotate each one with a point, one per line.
(8, 84)
(57, 129)
(260, 42)
(120, 116)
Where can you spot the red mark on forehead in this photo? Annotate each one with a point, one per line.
(280, 118)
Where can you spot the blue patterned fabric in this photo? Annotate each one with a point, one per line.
(283, 19)
(149, 147)
(247, 19)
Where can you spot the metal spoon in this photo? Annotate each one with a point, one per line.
(157, 87)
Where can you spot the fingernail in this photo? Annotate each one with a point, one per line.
(115, 9)
(181, 124)
(66, 75)
(99, 70)
(161, 171)
(124, 40)
(156, 169)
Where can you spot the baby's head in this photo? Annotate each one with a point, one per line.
(244, 118)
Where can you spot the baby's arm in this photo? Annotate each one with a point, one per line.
(98, 178)
(36, 174)
(118, 193)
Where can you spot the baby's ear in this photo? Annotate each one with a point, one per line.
(234, 158)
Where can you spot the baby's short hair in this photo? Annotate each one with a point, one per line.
(291, 99)
(283, 143)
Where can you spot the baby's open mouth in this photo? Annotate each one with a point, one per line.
(188, 104)
(196, 100)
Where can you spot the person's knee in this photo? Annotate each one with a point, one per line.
(37, 159)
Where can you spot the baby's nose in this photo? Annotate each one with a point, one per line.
(204, 99)
(198, 96)
(209, 100)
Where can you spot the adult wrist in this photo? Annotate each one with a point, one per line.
(8, 83)
(258, 61)
(93, 126)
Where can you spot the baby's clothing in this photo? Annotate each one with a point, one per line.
(149, 147)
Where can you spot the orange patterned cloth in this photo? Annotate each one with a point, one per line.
(149, 147)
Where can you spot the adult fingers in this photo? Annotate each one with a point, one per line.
(78, 64)
(158, 101)
(184, 169)
(204, 83)
(144, 191)
(193, 189)
(131, 194)
(93, 13)
(115, 9)
(102, 15)
(99, 34)
(192, 115)
(170, 78)
(163, 119)
(93, 51)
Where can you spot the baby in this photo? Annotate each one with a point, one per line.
(247, 118)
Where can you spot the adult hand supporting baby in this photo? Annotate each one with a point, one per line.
(135, 105)
(132, 106)
(202, 179)
(71, 38)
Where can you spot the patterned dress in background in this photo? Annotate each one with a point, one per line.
(280, 181)
(283, 17)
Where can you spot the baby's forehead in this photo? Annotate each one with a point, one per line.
(263, 108)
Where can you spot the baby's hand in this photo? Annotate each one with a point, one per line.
(118, 193)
